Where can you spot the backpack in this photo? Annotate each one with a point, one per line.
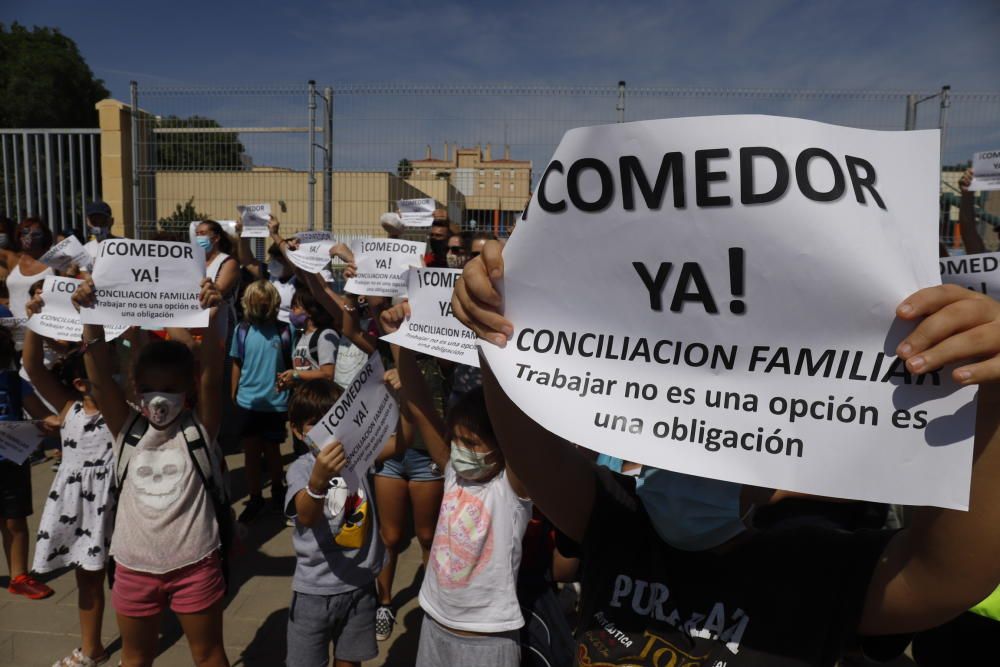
(284, 331)
(313, 346)
(210, 471)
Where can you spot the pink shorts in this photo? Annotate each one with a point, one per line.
(187, 590)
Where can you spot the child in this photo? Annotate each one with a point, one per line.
(172, 527)
(75, 529)
(15, 480)
(337, 546)
(261, 351)
(469, 592)
(315, 354)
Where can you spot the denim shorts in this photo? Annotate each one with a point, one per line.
(414, 465)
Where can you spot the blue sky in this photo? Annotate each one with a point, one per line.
(774, 43)
(912, 45)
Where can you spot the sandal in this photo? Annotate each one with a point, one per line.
(78, 659)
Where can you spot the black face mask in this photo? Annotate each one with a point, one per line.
(439, 247)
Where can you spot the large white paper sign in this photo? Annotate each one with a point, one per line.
(362, 420)
(416, 212)
(986, 171)
(65, 253)
(977, 272)
(228, 227)
(255, 218)
(18, 439)
(58, 318)
(148, 283)
(311, 257)
(432, 328)
(717, 296)
(382, 265)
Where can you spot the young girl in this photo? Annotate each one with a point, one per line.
(75, 528)
(221, 267)
(469, 592)
(171, 524)
(315, 354)
(261, 350)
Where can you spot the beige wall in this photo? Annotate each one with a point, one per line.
(359, 198)
(495, 183)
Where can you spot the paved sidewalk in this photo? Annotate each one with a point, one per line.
(37, 633)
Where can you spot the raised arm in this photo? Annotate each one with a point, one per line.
(971, 239)
(42, 379)
(97, 359)
(213, 355)
(245, 256)
(946, 561)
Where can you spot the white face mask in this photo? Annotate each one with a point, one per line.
(470, 464)
(161, 408)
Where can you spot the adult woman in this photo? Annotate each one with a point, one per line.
(32, 239)
(221, 267)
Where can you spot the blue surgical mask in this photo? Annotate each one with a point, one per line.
(100, 233)
(469, 464)
(690, 513)
(298, 320)
(204, 242)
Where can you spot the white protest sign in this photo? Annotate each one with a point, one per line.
(148, 283)
(18, 439)
(66, 252)
(382, 265)
(723, 305)
(311, 257)
(313, 236)
(59, 318)
(977, 272)
(91, 247)
(432, 328)
(986, 171)
(255, 218)
(416, 212)
(362, 420)
(228, 226)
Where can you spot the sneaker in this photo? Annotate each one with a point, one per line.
(78, 659)
(278, 498)
(253, 508)
(384, 620)
(29, 587)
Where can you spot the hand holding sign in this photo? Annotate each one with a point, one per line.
(67, 253)
(417, 212)
(330, 462)
(18, 439)
(381, 265)
(986, 167)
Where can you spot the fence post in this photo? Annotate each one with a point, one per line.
(620, 107)
(943, 116)
(50, 199)
(136, 227)
(328, 160)
(312, 156)
(911, 112)
(27, 174)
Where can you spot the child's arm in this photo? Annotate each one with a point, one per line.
(42, 379)
(212, 360)
(245, 256)
(971, 239)
(414, 393)
(345, 315)
(403, 437)
(329, 464)
(97, 359)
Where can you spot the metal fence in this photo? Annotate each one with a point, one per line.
(336, 157)
(50, 173)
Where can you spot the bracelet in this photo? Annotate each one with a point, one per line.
(314, 495)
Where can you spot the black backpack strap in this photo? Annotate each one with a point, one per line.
(125, 446)
(314, 346)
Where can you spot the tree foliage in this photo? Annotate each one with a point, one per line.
(197, 150)
(404, 169)
(44, 81)
(178, 221)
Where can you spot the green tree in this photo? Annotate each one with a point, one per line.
(176, 224)
(404, 169)
(196, 150)
(44, 81)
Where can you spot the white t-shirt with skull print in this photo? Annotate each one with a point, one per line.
(165, 518)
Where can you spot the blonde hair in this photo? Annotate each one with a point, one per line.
(260, 302)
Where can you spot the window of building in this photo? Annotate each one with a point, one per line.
(512, 173)
(481, 185)
(511, 187)
(496, 186)
(482, 172)
(496, 172)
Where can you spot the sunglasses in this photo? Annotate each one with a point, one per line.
(456, 250)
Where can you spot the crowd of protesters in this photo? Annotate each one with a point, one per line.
(671, 569)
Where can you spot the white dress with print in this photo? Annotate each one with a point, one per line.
(75, 529)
